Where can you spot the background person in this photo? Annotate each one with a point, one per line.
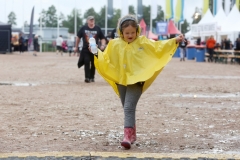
(86, 57)
(21, 42)
(70, 46)
(35, 45)
(183, 49)
(59, 42)
(210, 47)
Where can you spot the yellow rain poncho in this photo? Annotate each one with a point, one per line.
(139, 61)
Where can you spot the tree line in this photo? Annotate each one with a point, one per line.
(50, 18)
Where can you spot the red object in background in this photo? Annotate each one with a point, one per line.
(172, 29)
(143, 27)
(152, 36)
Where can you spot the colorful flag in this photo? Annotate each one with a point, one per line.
(238, 4)
(179, 11)
(30, 36)
(169, 9)
(205, 6)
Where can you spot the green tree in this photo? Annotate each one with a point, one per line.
(61, 18)
(43, 16)
(131, 10)
(114, 20)
(12, 18)
(146, 14)
(49, 17)
(70, 21)
(184, 27)
(92, 12)
(100, 18)
(160, 16)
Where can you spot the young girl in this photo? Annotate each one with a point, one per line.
(130, 64)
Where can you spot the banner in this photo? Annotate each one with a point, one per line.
(203, 28)
(179, 11)
(162, 28)
(169, 9)
(205, 6)
(238, 4)
(30, 36)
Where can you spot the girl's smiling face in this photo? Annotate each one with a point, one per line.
(129, 34)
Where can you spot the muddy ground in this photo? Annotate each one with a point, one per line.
(192, 107)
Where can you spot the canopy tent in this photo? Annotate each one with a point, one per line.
(232, 22)
(152, 36)
(220, 18)
(172, 29)
(231, 27)
(207, 18)
(143, 27)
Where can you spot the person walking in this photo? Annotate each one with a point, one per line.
(130, 64)
(114, 33)
(70, 46)
(59, 42)
(86, 57)
(210, 47)
(183, 49)
(21, 42)
(35, 45)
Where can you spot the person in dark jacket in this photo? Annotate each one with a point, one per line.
(237, 48)
(21, 41)
(183, 49)
(35, 45)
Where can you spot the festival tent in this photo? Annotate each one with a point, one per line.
(232, 22)
(203, 25)
(152, 36)
(231, 27)
(220, 18)
(143, 27)
(172, 29)
(207, 18)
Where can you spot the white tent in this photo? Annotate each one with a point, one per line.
(232, 22)
(231, 27)
(207, 18)
(220, 18)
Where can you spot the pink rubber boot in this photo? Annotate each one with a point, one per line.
(126, 143)
(134, 135)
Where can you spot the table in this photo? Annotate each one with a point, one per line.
(225, 55)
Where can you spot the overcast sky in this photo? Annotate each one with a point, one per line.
(23, 8)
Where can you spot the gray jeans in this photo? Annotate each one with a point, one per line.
(129, 96)
(183, 52)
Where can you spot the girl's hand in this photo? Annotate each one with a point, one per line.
(180, 38)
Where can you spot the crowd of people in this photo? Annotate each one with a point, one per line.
(226, 44)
